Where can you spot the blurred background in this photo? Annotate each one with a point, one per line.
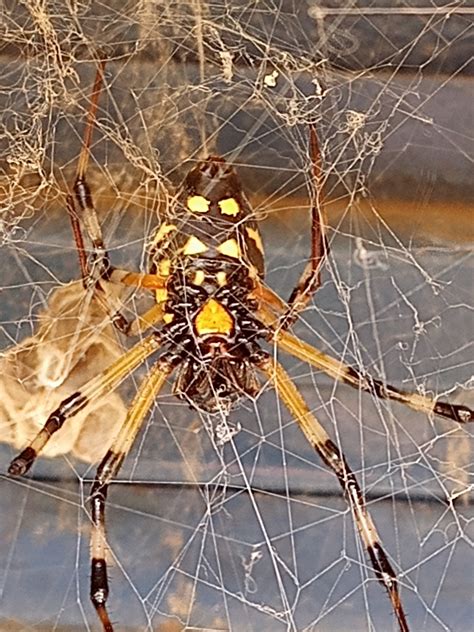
(236, 524)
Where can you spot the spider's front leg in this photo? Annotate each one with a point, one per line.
(310, 279)
(96, 268)
(334, 459)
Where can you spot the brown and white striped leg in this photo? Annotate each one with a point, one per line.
(95, 269)
(82, 190)
(106, 471)
(110, 303)
(96, 387)
(333, 458)
(310, 280)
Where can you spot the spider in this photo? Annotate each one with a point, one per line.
(211, 313)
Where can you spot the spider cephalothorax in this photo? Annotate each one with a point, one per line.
(216, 333)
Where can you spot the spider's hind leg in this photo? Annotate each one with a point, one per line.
(334, 459)
(83, 196)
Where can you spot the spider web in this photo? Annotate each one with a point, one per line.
(235, 524)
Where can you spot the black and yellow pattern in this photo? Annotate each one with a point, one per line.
(211, 316)
(210, 251)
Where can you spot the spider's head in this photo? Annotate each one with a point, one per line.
(212, 189)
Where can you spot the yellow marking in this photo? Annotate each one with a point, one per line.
(229, 207)
(198, 204)
(168, 318)
(199, 277)
(221, 279)
(255, 236)
(194, 246)
(230, 248)
(164, 267)
(213, 318)
(163, 230)
(161, 295)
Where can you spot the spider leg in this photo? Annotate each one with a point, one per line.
(142, 322)
(333, 458)
(310, 280)
(83, 194)
(91, 272)
(96, 387)
(271, 301)
(107, 470)
(97, 270)
(351, 376)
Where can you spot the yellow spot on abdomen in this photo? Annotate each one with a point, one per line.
(194, 246)
(213, 318)
(163, 230)
(229, 207)
(199, 277)
(164, 267)
(198, 204)
(221, 279)
(230, 248)
(255, 236)
(161, 295)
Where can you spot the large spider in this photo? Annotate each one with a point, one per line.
(211, 313)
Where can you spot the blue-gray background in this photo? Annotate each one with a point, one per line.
(254, 534)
